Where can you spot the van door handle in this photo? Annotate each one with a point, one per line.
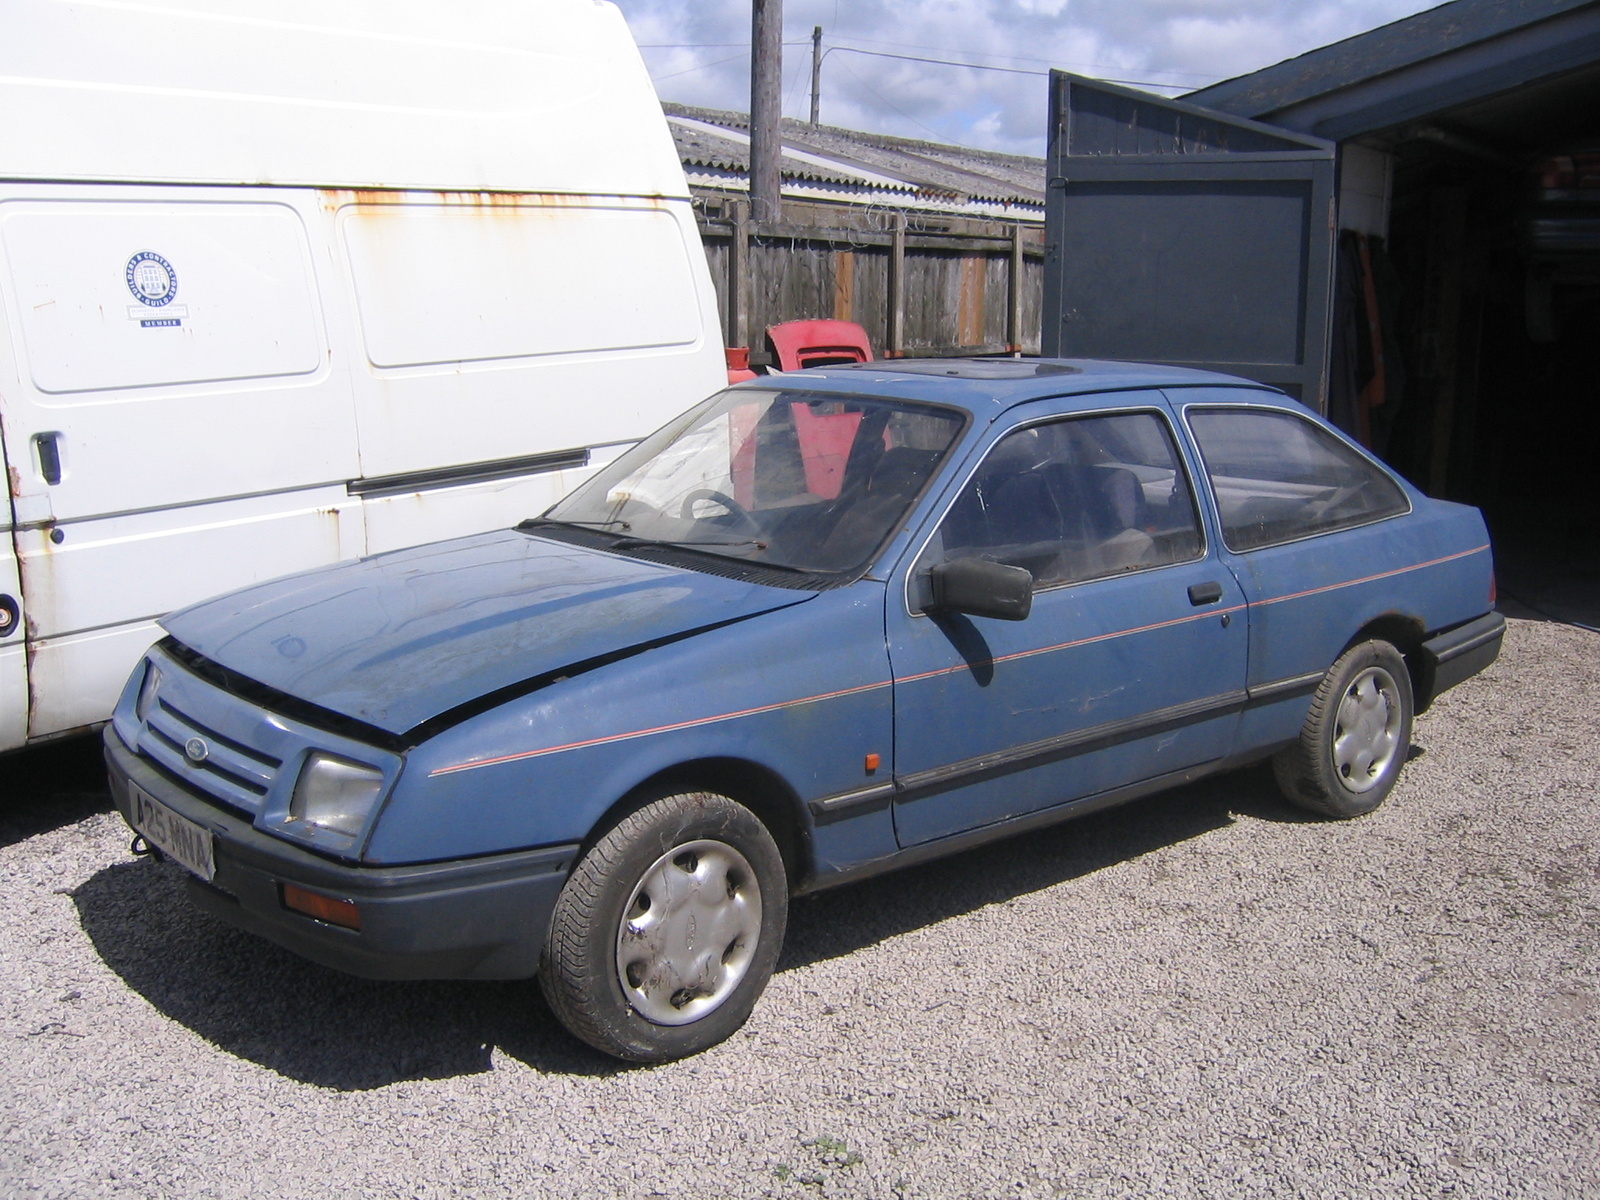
(10, 614)
(48, 447)
(1205, 593)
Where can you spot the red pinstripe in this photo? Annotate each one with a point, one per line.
(872, 687)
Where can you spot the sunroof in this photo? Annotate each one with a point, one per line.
(973, 368)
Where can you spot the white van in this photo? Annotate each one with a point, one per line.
(290, 281)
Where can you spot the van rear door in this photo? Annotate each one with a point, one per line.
(176, 422)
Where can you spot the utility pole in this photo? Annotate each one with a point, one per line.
(766, 109)
(816, 72)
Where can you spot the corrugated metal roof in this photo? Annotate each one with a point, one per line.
(704, 144)
(720, 139)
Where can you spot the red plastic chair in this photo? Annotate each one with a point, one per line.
(825, 343)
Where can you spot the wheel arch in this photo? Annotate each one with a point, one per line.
(1406, 634)
(759, 788)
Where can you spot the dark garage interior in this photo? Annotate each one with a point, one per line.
(1501, 405)
(1477, 127)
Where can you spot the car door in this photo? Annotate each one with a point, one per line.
(1131, 664)
(1305, 527)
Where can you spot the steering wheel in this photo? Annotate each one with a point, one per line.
(735, 509)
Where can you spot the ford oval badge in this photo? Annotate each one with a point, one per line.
(197, 750)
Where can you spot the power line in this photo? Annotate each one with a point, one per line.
(945, 62)
(1049, 62)
(698, 67)
(916, 58)
(884, 100)
(705, 45)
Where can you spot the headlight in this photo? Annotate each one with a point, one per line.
(335, 794)
(146, 702)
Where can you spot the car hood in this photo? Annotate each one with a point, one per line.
(400, 638)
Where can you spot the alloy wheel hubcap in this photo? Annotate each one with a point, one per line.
(688, 932)
(1366, 734)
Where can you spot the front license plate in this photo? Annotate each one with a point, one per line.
(175, 835)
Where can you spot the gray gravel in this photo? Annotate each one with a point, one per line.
(1202, 994)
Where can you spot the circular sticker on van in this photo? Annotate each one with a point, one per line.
(151, 279)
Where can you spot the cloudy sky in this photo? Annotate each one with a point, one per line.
(698, 53)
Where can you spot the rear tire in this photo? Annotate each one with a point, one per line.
(1356, 736)
(668, 929)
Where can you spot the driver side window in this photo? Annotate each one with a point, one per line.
(1076, 499)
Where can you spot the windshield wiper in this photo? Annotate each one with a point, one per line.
(535, 522)
(629, 543)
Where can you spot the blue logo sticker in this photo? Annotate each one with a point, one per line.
(151, 279)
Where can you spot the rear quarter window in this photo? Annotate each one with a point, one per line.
(1278, 477)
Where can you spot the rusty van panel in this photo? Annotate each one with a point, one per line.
(495, 325)
(479, 277)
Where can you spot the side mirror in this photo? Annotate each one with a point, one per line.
(981, 588)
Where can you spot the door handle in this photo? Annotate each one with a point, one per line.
(48, 447)
(10, 614)
(1205, 593)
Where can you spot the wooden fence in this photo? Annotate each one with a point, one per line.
(922, 285)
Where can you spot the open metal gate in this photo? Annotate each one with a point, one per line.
(1180, 235)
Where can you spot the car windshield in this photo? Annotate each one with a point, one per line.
(788, 479)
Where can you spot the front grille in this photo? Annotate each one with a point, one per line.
(236, 774)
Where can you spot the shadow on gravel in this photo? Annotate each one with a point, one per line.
(50, 787)
(318, 1026)
(838, 922)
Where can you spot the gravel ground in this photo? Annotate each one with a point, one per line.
(1201, 994)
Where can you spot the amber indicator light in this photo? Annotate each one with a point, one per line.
(873, 761)
(323, 908)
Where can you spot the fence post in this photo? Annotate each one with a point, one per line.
(739, 277)
(897, 289)
(1014, 295)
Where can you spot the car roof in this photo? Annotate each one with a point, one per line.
(989, 386)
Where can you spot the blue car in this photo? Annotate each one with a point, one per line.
(821, 626)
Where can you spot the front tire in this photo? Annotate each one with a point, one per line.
(1356, 736)
(668, 929)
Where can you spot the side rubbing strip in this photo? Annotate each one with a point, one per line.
(1278, 689)
(1081, 741)
(378, 486)
(853, 804)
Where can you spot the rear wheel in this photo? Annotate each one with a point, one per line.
(1356, 736)
(668, 929)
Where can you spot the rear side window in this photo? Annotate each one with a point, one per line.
(1075, 499)
(1278, 477)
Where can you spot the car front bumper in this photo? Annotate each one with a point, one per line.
(480, 918)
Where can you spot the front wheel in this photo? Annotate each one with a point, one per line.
(1356, 736)
(667, 931)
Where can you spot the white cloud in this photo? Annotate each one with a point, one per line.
(1179, 43)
